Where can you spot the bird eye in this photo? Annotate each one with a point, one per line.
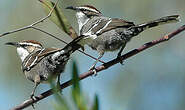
(83, 9)
(23, 45)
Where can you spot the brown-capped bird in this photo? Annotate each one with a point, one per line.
(39, 63)
(109, 34)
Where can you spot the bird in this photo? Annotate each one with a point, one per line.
(40, 64)
(104, 34)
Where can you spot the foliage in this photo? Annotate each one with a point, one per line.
(77, 95)
(59, 18)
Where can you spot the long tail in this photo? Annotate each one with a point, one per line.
(157, 22)
(73, 45)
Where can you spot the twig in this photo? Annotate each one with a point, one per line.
(33, 24)
(103, 67)
(42, 20)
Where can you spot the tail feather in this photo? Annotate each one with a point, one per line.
(73, 45)
(157, 22)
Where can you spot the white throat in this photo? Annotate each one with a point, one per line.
(23, 53)
(82, 19)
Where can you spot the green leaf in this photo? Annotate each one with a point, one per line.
(61, 102)
(58, 18)
(96, 103)
(76, 85)
(77, 95)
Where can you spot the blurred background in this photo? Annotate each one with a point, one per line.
(151, 80)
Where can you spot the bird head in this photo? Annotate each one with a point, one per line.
(26, 47)
(84, 13)
(86, 10)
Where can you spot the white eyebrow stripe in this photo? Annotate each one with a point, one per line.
(30, 44)
(89, 9)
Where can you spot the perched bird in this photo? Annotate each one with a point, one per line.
(109, 34)
(39, 64)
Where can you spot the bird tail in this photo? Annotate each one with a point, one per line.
(73, 45)
(157, 22)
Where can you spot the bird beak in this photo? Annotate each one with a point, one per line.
(12, 43)
(71, 8)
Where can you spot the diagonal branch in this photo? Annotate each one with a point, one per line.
(102, 67)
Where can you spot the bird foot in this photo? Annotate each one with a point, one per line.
(59, 89)
(94, 70)
(82, 47)
(33, 97)
(121, 61)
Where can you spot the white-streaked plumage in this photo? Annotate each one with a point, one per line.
(40, 64)
(109, 34)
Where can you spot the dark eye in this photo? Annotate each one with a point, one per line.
(24, 46)
(83, 9)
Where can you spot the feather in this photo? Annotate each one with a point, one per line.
(34, 58)
(116, 23)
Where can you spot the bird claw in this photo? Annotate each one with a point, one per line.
(33, 98)
(121, 61)
(59, 88)
(82, 47)
(94, 70)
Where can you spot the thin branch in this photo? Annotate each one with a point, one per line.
(33, 24)
(41, 20)
(38, 29)
(91, 56)
(102, 67)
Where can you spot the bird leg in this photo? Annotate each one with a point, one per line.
(37, 82)
(93, 66)
(119, 54)
(58, 84)
(32, 96)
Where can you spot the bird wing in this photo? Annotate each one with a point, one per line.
(101, 25)
(34, 58)
(115, 23)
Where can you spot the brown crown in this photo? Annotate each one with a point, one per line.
(89, 6)
(32, 41)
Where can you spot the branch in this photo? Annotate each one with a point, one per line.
(102, 67)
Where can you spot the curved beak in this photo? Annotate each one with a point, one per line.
(12, 43)
(72, 8)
